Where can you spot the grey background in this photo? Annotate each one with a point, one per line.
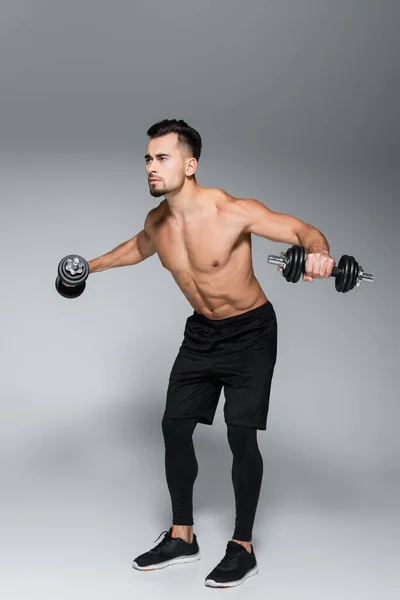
(297, 103)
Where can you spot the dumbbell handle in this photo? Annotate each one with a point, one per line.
(281, 262)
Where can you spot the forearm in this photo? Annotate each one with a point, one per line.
(312, 240)
(123, 255)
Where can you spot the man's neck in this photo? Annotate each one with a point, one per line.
(186, 201)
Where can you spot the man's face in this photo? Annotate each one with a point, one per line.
(166, 163)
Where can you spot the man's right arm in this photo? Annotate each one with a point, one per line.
(128, 253)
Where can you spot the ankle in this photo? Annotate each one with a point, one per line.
(185, 532)
(246, 545)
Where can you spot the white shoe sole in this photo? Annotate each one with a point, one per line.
(175, 561)
(214, 584)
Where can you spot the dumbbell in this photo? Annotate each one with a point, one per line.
(348, 273)
(73, 271)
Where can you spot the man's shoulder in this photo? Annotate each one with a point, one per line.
(223, 198)
(155, 215)
(228, 203)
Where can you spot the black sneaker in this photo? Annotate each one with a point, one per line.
(236, 566)
(170, 551)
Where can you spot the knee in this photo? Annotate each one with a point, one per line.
(242, 440)
(177, 430)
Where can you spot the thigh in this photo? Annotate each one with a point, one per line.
(247, 377)
(192, 390)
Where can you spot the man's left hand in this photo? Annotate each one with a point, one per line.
(318, 266)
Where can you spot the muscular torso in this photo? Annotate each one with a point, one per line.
(209, 256)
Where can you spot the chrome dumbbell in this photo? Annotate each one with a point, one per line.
(73, 271)
(348, 273)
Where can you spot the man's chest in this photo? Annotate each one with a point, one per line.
(204, 245)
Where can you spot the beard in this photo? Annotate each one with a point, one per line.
(157, 192)
(159, 189)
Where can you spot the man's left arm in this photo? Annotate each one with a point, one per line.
(281, 227)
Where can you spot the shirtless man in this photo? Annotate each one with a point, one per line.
(203, 238)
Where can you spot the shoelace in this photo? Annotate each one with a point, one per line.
(229, 559)
(163, 541)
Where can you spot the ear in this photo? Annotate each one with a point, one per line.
(191, 167)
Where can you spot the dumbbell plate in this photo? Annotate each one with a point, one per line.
(349, 269)
(73, 270)
(69, 292)
(295, 257)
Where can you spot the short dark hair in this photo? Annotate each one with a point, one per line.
(187, 136)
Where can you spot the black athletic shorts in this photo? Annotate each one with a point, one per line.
(237, 353)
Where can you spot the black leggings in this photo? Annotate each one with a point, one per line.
(181, 470)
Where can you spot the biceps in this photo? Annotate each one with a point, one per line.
(145, 245)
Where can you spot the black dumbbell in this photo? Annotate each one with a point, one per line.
(348, 273)
(73, 271)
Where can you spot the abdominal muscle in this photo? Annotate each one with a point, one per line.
(228, 291)
(214, 306)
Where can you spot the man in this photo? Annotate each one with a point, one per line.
(203, 237)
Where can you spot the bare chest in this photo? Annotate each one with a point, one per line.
(203, 246)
